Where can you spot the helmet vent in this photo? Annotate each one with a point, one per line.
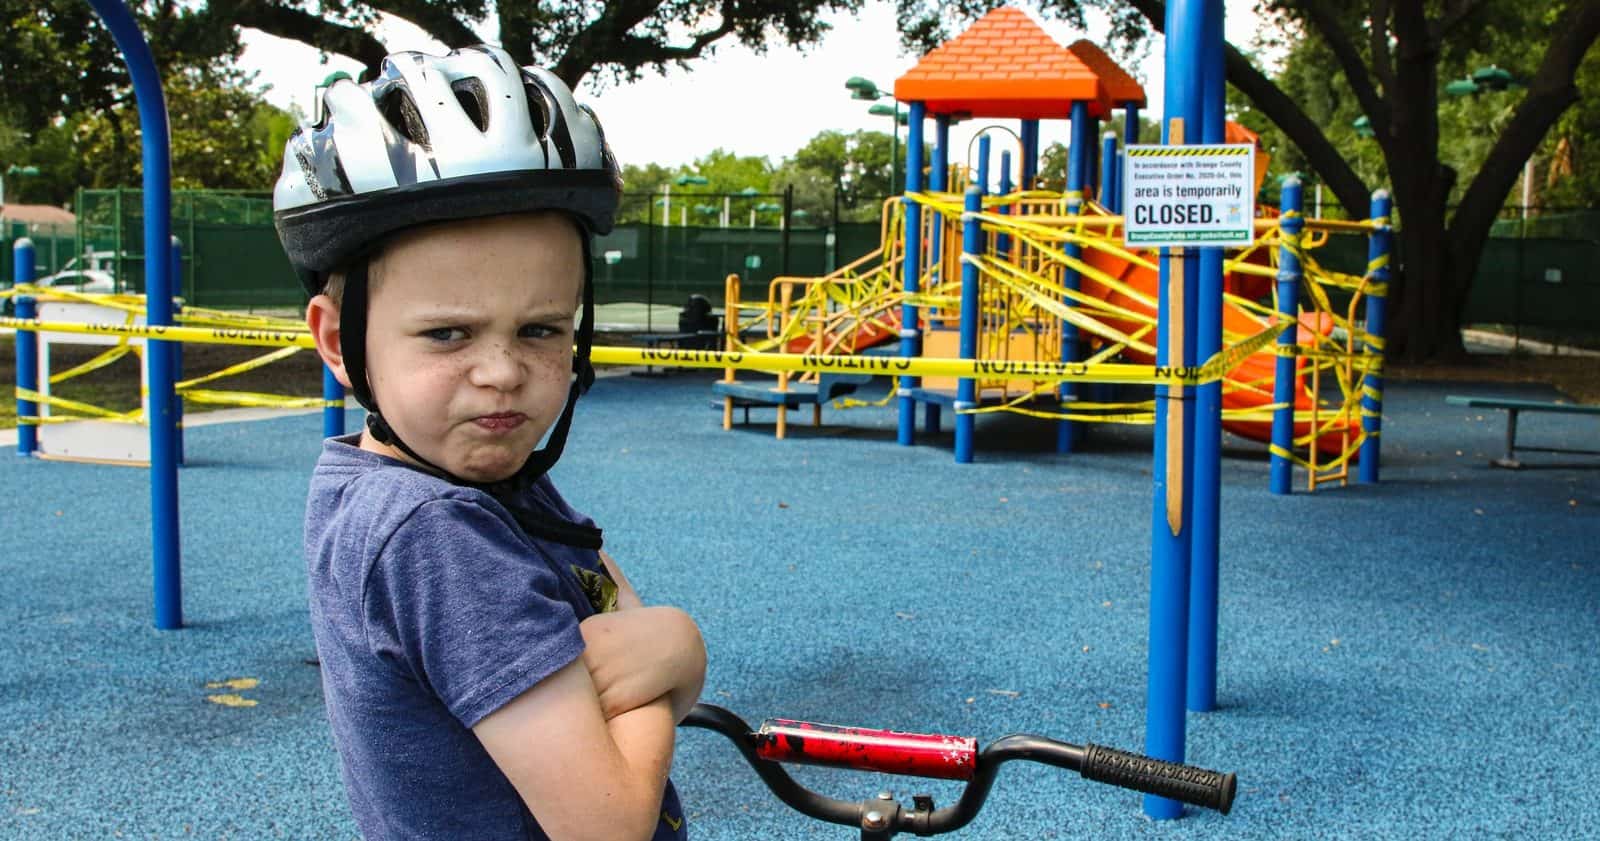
(474, 101)
(538, 111)
(401, 111)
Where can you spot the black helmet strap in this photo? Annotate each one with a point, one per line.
(353, 347)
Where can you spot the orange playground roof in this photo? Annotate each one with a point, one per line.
(1004, 66)
(1122, 88)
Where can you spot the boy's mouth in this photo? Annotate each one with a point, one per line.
(500, 421)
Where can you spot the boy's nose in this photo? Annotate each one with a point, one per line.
(497, 367)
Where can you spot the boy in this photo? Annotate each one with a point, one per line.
(488, 672)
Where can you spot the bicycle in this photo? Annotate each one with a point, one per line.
(941, 757)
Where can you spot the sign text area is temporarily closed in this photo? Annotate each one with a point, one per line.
(1189, 195)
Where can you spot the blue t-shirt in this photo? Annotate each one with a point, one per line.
(431, 609)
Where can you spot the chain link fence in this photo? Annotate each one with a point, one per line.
(1536, 273)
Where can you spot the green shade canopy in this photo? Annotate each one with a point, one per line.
(1461, 87)
(1362, 125)
(749, 191)
(685, 180)
(1493, 77)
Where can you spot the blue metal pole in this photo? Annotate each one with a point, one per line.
(1283, 380)
(1077, 172)
(158, 307)
(1165, 725)
(1130, 125)
(176, 349)
(1379, 249)
(966, 387)
(1002, 242)
(938, 182)
(909, 344)
(1207, 494)
(983, 164)
(1108, 172)
(22, 264)
(333, 412)
(1030, 153)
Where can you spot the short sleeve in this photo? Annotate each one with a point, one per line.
(460, 599)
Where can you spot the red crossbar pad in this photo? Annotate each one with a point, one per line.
(910, 754)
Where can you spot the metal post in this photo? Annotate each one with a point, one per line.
(783, 243)
(1379, 251)
(911, 275)
(176, 348)
(1206, 542)
(966, 387)
(27, 341)
(1108, 172)
(1030, 153)
(1077, 172)
(983, 165)
(158, 307)
(938, 182)
(1165, 725)
(1283, 381)
(894, 147)
(1002, 242)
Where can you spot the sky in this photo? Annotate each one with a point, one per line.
(749, 104)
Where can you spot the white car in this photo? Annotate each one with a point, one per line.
(90, 281)
(72, 279)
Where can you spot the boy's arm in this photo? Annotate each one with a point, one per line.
(627, 599)
(584, 778)
(637, 656)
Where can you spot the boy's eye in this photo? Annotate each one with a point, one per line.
(538, 331)
(445, 334)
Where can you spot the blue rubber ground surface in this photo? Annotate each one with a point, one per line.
(1412, 660)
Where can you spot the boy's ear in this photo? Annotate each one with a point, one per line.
(322, 316)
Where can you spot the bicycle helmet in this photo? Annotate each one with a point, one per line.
(435, 139)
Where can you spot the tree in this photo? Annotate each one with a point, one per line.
(855, 165)
(223, 135)
(572, 37)
(74, 115)
(1394, 56)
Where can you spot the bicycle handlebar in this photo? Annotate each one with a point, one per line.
(944, 757)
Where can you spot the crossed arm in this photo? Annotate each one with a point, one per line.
(588, 748)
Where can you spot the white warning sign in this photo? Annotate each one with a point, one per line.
(1189, 195)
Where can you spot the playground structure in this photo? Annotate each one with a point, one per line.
(1054, 283)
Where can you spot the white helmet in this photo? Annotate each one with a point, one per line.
(433, 139)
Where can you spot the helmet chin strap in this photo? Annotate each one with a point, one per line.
(511, 490)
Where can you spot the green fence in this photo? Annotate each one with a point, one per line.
(53, 247)
(231, 255)
(1535, 273)
(667, 264)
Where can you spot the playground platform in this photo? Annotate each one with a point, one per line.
(1411, 659)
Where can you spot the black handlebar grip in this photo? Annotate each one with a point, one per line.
(1211, 789)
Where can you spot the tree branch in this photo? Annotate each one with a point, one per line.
(431, 18)
(312, 30)
(1355, 70)
(1287, 115)
(632, 52)
(1382, 60)
(1455, 13)
(1550, 93)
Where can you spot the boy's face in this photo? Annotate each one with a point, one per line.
(469, 339)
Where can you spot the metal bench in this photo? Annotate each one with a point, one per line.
(1513, 406)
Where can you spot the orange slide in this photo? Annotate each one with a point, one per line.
(1257, 368)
